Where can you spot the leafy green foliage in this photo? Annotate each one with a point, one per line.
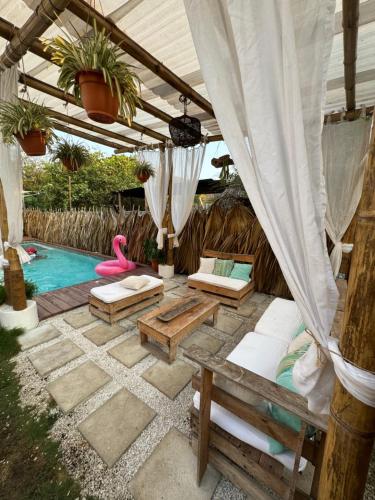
(31, 289)
(3, 294)
(66, 150)
(144, 168)
(95, 52)
(92, 185)
(21, 117)
(151, 250)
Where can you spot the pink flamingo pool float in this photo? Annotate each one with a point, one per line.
(122, 265)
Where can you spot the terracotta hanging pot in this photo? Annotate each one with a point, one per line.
(69, 165)
(97, 99)
(143, 177)
(33, 143)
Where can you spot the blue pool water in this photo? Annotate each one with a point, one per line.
(59, 268)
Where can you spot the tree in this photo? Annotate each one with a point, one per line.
(92, 185)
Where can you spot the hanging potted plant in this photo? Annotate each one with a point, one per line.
(28, 123)
(91, 66)
(143, 171)
(73, 155)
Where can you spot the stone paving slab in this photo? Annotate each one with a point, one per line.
(227, 324)
(55, 356)
(77, 385)
(169, 379)
(129, 352)
(169, 285)
(113, 427)
(170, 473)
(38, 336)
(203, 340)
(79, 319)
(246, 309)
(101, 334)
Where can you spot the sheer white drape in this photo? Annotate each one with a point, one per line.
(265, 68)
(11, 171)
(187, 167)
(344, 147)
(156, 188)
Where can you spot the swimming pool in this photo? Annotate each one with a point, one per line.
(57, 268)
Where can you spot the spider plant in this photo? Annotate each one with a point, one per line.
(18, 119)
(94, 52)
(72, 154)
(143, 171)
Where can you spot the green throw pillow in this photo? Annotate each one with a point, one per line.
(299, 330)
(241, 272)
(223, 267)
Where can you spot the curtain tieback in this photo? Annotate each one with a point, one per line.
(160, 237)
(175, 239)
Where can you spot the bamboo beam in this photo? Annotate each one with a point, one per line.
(347, 116)
(88, 126)
(41, 19)
(46, 88)
(87, 13)
(7, 30)
(83, 135)
(351, 428)
(350, 16)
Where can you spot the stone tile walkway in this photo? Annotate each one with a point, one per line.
(129, 352)
(55, 356)
(170, 379)
(102, 334)
(38, 336)
(78, 319)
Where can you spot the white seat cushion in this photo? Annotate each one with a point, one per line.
(223, 281)
(280, 320)
(259, 354)
(247, 433)
(115, 291)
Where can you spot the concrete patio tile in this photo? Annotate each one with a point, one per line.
(77, 385)
(183, 291)
(113, 427)
(38, 336)
(227, 324)
(247, 309)
(169, 379)
(134, 317)
(169, 285)
(170, 473)
(129, 352)
(102, 334)
(203, 340)
(55, 356)
(79, 319)
(258, 298)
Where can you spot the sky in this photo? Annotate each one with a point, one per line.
(213, 150)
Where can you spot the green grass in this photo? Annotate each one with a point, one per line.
(30, 466)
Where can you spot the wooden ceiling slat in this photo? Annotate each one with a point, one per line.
(350, 17)
(84, 135)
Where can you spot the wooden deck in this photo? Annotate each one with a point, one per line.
(64, 299)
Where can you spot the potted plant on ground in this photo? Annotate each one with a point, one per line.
(91, 66)
(27, 122)
(143, 171)
(73, 155)
(165, 271)
(152, 253)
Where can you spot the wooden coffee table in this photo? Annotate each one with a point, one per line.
(171, 333)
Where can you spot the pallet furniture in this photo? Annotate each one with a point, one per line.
(230, 422)
(171, 333)
(226, 295)
(114, 302)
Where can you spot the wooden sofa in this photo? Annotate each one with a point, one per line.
(113, 302)
(228, 296)
(231, 433)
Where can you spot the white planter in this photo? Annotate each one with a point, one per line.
(27, 318)
(166, 271)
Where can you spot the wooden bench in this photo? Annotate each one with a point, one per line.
(237, 460)
(227, 296)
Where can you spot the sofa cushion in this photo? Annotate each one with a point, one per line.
(280, 320)
(223, 267)
(241, 271)
(115, 291)
(224, 282)
(258, 354)
(207, 265)
(134, 282)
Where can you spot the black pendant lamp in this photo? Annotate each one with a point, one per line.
(185, 130)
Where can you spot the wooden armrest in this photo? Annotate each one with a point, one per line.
(258, 385)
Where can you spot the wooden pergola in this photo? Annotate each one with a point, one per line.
(352, 424)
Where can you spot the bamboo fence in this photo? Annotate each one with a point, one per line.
(226, 226)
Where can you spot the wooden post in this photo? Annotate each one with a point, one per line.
(70, 192)
(170, 229)
(13, 274)
(204, 423)
(351, 429)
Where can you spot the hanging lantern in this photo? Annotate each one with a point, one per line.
(185, 130)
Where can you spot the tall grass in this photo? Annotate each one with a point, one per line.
(226, 226)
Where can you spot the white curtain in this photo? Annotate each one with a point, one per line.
(344, 148)
(187, 167)
(265, 68)
(11, 171)
(156, 188)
